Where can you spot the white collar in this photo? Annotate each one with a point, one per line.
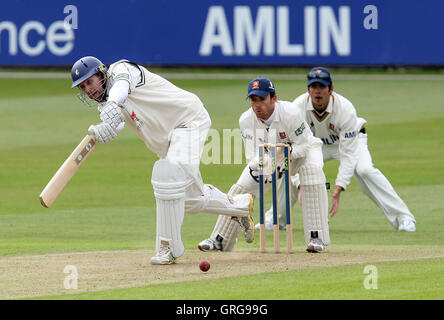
(270, 120)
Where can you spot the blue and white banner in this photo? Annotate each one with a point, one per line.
(230, 32)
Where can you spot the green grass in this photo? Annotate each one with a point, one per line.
(394, 281)
(109, 204)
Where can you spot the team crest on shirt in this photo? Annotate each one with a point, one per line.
(332, 126)
(300, 130)
(122, 76)
(282, 135)
(136, 119)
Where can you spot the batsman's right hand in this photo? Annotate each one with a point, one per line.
(103, 132)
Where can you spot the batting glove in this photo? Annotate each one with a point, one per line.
(112, 114)
(103, 132)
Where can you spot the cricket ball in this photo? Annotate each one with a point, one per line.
(204, 266)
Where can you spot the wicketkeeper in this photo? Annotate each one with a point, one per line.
(334, 120)
(274, 121)
(172, 123)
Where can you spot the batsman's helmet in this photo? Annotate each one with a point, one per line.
(85, 68)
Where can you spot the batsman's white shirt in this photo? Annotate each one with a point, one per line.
(337, 126)
(154, 106)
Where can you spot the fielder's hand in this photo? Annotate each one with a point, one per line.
(103, 132)
(335, 200)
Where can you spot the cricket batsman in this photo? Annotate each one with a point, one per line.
(270, 120)
(333, 119)
(173, 123)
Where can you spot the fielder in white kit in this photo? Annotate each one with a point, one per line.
(274, 121)
(172, 123)
(334, 120)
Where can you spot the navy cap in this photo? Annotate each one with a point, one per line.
(261, 87)
(319, 74)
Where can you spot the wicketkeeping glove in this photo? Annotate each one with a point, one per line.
(267, 167)
(267, 170)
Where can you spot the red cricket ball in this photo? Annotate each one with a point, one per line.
(204, 266)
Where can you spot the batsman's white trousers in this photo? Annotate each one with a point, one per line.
(373, 183)
(186, 148)
(179, 188)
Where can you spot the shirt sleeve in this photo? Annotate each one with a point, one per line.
(348, 150)
(121, 72)
(119, 92)
(248, 139)
(124, 71)
(300, 135)
(300, 140)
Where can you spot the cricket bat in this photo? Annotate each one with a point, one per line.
(67, 170)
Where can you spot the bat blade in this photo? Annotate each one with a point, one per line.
(67, 171)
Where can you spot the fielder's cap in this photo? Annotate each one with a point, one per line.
(261, 87)
(319, 74)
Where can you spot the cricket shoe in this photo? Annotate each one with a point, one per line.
(247, 223)
(407, 225)
(210, 245)
(164, 256)
(315, 245)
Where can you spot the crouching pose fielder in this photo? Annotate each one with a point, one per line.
(174, 124)
(274, 121)
(334, 120)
